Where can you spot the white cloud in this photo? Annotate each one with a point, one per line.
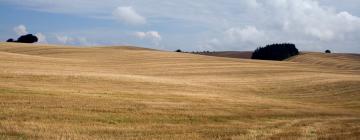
(235, 37)
(154, 36)
(309, 18)
(129, 16)
(140, 35)
(150, 34)
(247, 34)
(67, 40)
(64, 39)
(304, 22)
(20, 30)
(41, 38)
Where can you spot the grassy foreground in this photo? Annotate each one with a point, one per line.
(57, 92)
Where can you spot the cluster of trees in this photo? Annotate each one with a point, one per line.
(29, 38)
(275, 52)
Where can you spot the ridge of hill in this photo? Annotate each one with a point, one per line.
(229, 54)
(337, 61)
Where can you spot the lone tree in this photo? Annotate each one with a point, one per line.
(178, 50)
(10, 40)
(327, 51)
(275, 52)
(29, 38)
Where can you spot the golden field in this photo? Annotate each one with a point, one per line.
(61, 92)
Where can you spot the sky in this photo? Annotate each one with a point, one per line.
(196, 25)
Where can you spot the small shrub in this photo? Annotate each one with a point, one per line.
(178, 50)
(327, 51)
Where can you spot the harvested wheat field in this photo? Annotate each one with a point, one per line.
(60, 92)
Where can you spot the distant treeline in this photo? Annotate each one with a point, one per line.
(275, 52)
(195, 52)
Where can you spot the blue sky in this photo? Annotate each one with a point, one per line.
(219, 25)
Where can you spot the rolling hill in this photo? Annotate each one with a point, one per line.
(335, 61)
(64, 92)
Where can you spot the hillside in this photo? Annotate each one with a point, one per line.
(335, 61)
(64, 92)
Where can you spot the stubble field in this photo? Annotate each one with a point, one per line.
(59, 92)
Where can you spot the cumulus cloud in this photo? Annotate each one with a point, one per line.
(20, 30)
(153, 36)
(237, 36)
(128, 15)
(150, 34)
(247, 34)
(309, 18)
(41, 38)
(64, 39)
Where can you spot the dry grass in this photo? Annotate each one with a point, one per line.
(53, 92)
